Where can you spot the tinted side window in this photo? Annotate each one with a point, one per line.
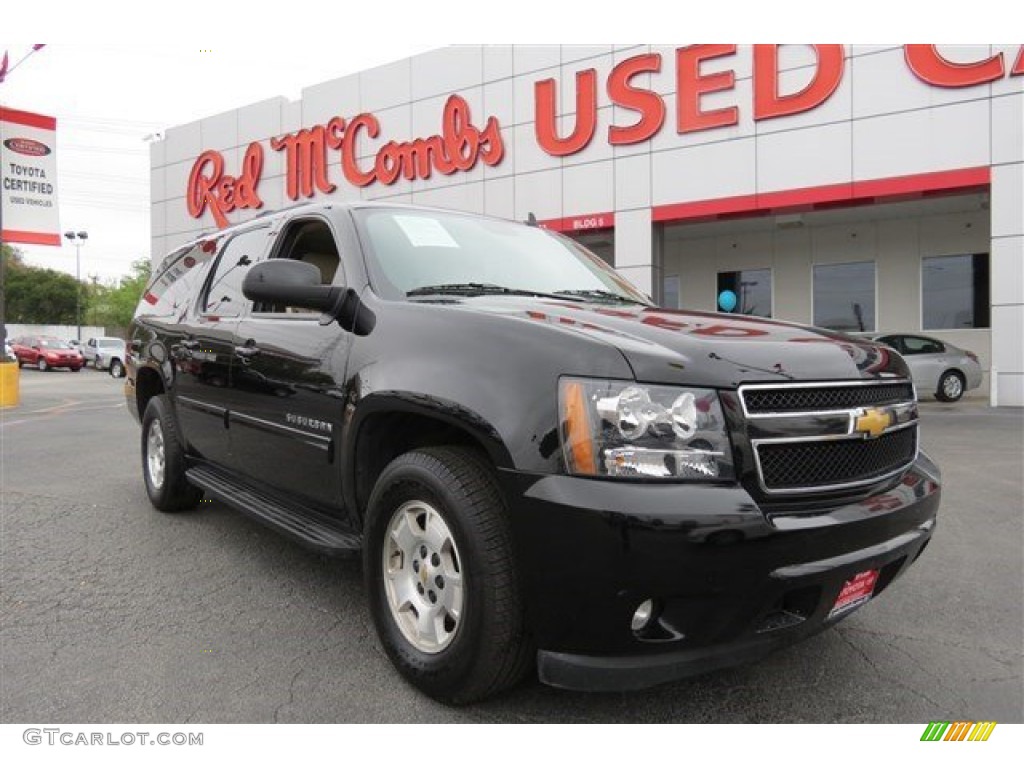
(224, 296)
(915, 345)
(177, 279)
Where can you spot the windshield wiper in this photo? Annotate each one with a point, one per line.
(597, 293)
(482, 289)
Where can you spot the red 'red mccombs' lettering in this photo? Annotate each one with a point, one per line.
(208, 186)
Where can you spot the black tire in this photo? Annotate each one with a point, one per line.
(76, 369)
(171, 492)
(489, 649)
(96, 363)
(951, 387)
(116, 368)
(41, 364)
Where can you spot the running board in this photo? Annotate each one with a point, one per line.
(311, 529)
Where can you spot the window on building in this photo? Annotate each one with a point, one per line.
(753, 289)
(844, 296)
(955, 291)
(224, 296)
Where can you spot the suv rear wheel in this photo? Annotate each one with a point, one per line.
(441, 578)
(163, 460)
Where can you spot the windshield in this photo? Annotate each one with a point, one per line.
(412, 250)
(53, 344)
(110, 343)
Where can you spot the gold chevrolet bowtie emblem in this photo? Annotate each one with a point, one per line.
(873, 422)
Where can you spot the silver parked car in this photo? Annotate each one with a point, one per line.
(937, 367)
(105, 352)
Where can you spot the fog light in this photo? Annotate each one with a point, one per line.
(642, 616)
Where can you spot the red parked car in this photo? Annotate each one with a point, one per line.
(45, 352)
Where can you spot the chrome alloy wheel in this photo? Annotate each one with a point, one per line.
(952, 387)
(423, 577)
(155, 457)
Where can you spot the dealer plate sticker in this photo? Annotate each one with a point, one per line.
(855, 592)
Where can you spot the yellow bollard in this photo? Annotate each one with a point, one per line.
(9, 380)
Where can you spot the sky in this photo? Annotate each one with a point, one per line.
(109, 95)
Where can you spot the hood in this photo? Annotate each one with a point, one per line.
(703, 348)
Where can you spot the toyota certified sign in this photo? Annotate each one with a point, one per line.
(28, 178)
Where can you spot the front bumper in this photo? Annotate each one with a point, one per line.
(730, 582)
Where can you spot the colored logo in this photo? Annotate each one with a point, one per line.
(29, 147)
(872, 422)
(958, 731)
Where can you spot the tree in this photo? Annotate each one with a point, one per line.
(113, 306)
(35, 295)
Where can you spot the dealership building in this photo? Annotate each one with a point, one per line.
(866, 189)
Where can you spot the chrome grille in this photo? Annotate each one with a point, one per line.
(814, 464)
(830, 436)
(825, 398)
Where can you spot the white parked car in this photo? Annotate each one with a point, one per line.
(106, 352)
(937, 367)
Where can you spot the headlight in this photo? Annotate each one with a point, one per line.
(624, 429)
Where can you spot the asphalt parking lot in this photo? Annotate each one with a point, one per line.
(112, 612)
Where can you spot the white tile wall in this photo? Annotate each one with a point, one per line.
(219, 131)
(175, 178)
(291, 117)
(530, 58)
(948, 137)
(462, 197)
(705, 172)
(447, 70)
(1008, 200)
(1008, 128)
(499, 102)
(386, 86)
(633, 233)
(1007, 345)
(336, 98)
(642, 277)
(632, 182)
(157, 186)
(497, 62)
(539, 193)
(507, 166)
(527, 154)
(572, 53)
(157, 154)
(741, 63)
(588, 189)
(883, 83)
(499, 197)
(428, 113)
(259, 121)
(184, 143)
(1007, 269)
(804, 158)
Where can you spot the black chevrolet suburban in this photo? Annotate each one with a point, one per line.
(538, 467)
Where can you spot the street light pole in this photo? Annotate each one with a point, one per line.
(78, 239)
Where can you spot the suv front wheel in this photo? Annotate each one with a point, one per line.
(441, 577)
(163, 460)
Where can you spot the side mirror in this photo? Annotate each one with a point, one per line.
(297, 284)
